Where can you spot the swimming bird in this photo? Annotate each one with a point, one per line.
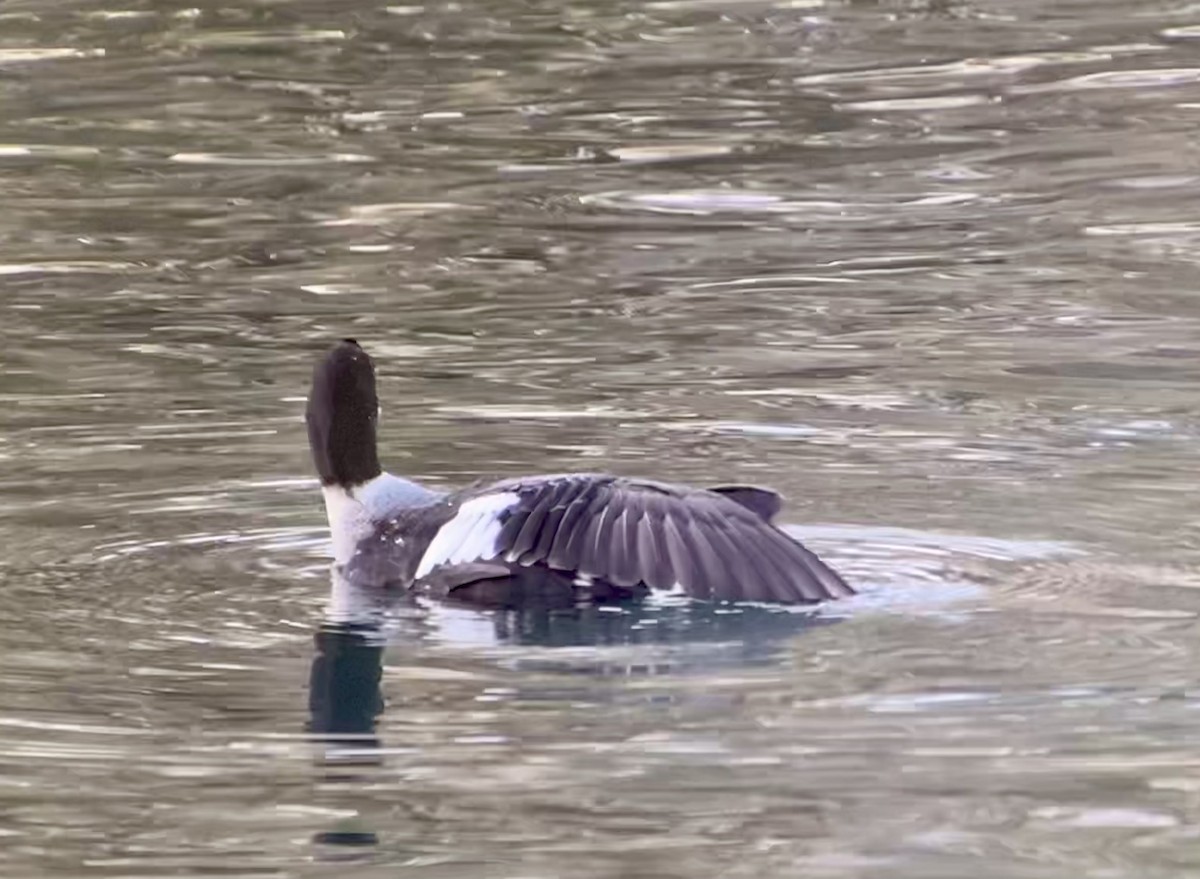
(553, 540)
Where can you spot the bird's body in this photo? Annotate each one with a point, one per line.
(552, 540)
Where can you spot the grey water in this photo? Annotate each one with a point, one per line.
(928, 267)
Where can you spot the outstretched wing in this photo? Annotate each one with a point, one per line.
(628, 532)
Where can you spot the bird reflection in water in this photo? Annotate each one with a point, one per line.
(344, 701)
(345, 693)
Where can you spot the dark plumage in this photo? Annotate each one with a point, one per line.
(552, 540)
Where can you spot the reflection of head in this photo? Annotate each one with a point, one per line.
(344, 696)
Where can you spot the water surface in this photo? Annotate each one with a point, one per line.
(926, 267)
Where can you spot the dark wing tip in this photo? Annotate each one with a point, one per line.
(762, 562)
(820, 581)
(761, 501)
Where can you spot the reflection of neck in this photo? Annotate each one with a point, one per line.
(344, 702)
(344, 697)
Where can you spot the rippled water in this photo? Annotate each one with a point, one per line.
(929, 268)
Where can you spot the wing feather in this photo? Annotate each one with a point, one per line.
(776, 578)
(653, 560)
(742, 569)
(627, 565)
(475, 533)
(529, 532)
(628, 532)
(678, 553)
(550, 526)
(599, 553)
(575, 536)
(711, 572)
(564, 551)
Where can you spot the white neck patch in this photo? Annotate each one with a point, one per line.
(348, 521)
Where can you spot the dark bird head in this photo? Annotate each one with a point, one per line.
(342, 414)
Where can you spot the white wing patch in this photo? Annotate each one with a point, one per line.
(470, 536)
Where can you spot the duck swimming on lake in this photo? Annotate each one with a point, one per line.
(550, 540)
